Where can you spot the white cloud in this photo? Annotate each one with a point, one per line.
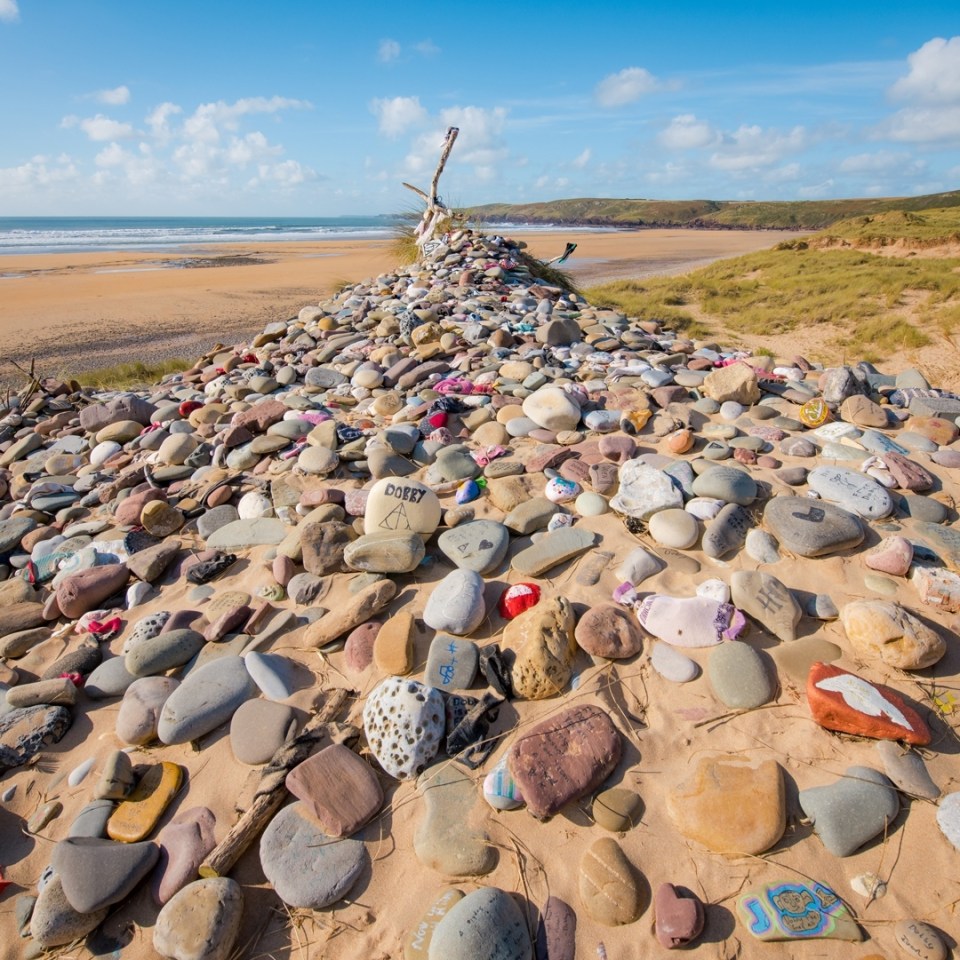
(884, 161)
(100, 128)
(205, 123)
(817, 190)
(158, 120)
(40, 172)
(932, 91)
(923, 125)
(388, 50)
(686, 132)
(934, 75)
(115, 97)
(397, 115)
(426, 48)
(583, 159)
(9, 11)
(753, 147)
(480, 143)
(288, 173)
(254, 146)
(624, 87)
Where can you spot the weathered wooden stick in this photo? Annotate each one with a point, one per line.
(417, 191)
(448, 143)
(272, 790)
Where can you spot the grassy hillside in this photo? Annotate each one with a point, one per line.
(872, 287)
(718, 214)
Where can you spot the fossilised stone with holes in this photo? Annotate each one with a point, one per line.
(564, 758)
(543, 639)
(404, 723)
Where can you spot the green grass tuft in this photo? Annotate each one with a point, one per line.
(125, 376)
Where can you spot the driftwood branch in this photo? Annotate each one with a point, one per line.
(436, 211)
(272, 790)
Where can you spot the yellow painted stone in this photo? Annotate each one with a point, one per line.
(134, 818)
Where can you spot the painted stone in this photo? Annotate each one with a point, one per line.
(811, 528)
(401, 505)
(842, 701)
(763, 597)
(689, 621)
(135, 818)
(416, 946)
(796, 910)
(485, 925)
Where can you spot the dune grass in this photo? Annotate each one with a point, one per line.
(126, 376)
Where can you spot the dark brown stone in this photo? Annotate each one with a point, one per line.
(547, 457)
(564, 758)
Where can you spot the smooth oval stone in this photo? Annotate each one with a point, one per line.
(590, 504)
(163, 652)
(402, 505)
(738, 676)
(881, 629)
(919, 939)
(761, 546)
(271, 673)
(851, 490)
(259, 728)
(675, 528)
(479, 545)
(768, 601)
(485, 925)
(907, 770)
(404, 721)
(207, 698)
(617, 809)
(140, 709)
(306, 867)
(608, 630)
(727, 531)
(811, 528)
(852, 810)
(385, 552)
(55, 923)
(97, 873)
(671, 664)
(456, 603)
(201, 922)
(727, 484)
(608, 888)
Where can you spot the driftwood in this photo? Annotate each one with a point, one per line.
(436, 211)
(272, 790)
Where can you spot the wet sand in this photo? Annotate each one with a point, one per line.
(76, 312)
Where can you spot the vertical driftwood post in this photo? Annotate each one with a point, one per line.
(436, 210)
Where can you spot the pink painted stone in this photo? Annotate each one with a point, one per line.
(358, 649)
(184, 843)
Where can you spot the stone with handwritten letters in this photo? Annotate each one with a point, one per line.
(401, 505)
(485, 925)
(451, 663)
(796, 909)
(416, 946)
(768, 601)
(842, 701)
(564, 758)
(851, 490)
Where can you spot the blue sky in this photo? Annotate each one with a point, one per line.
(113, 107)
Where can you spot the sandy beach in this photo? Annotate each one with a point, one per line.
(84, 311)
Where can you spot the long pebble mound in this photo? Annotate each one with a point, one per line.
(459, 619)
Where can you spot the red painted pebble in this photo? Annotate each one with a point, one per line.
(514, 600)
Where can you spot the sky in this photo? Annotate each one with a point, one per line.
(297, 108)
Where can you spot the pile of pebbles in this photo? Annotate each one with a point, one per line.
(482, 504)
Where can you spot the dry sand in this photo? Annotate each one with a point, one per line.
(84, 311)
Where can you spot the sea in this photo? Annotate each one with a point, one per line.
(89, 234)
(97, 234)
